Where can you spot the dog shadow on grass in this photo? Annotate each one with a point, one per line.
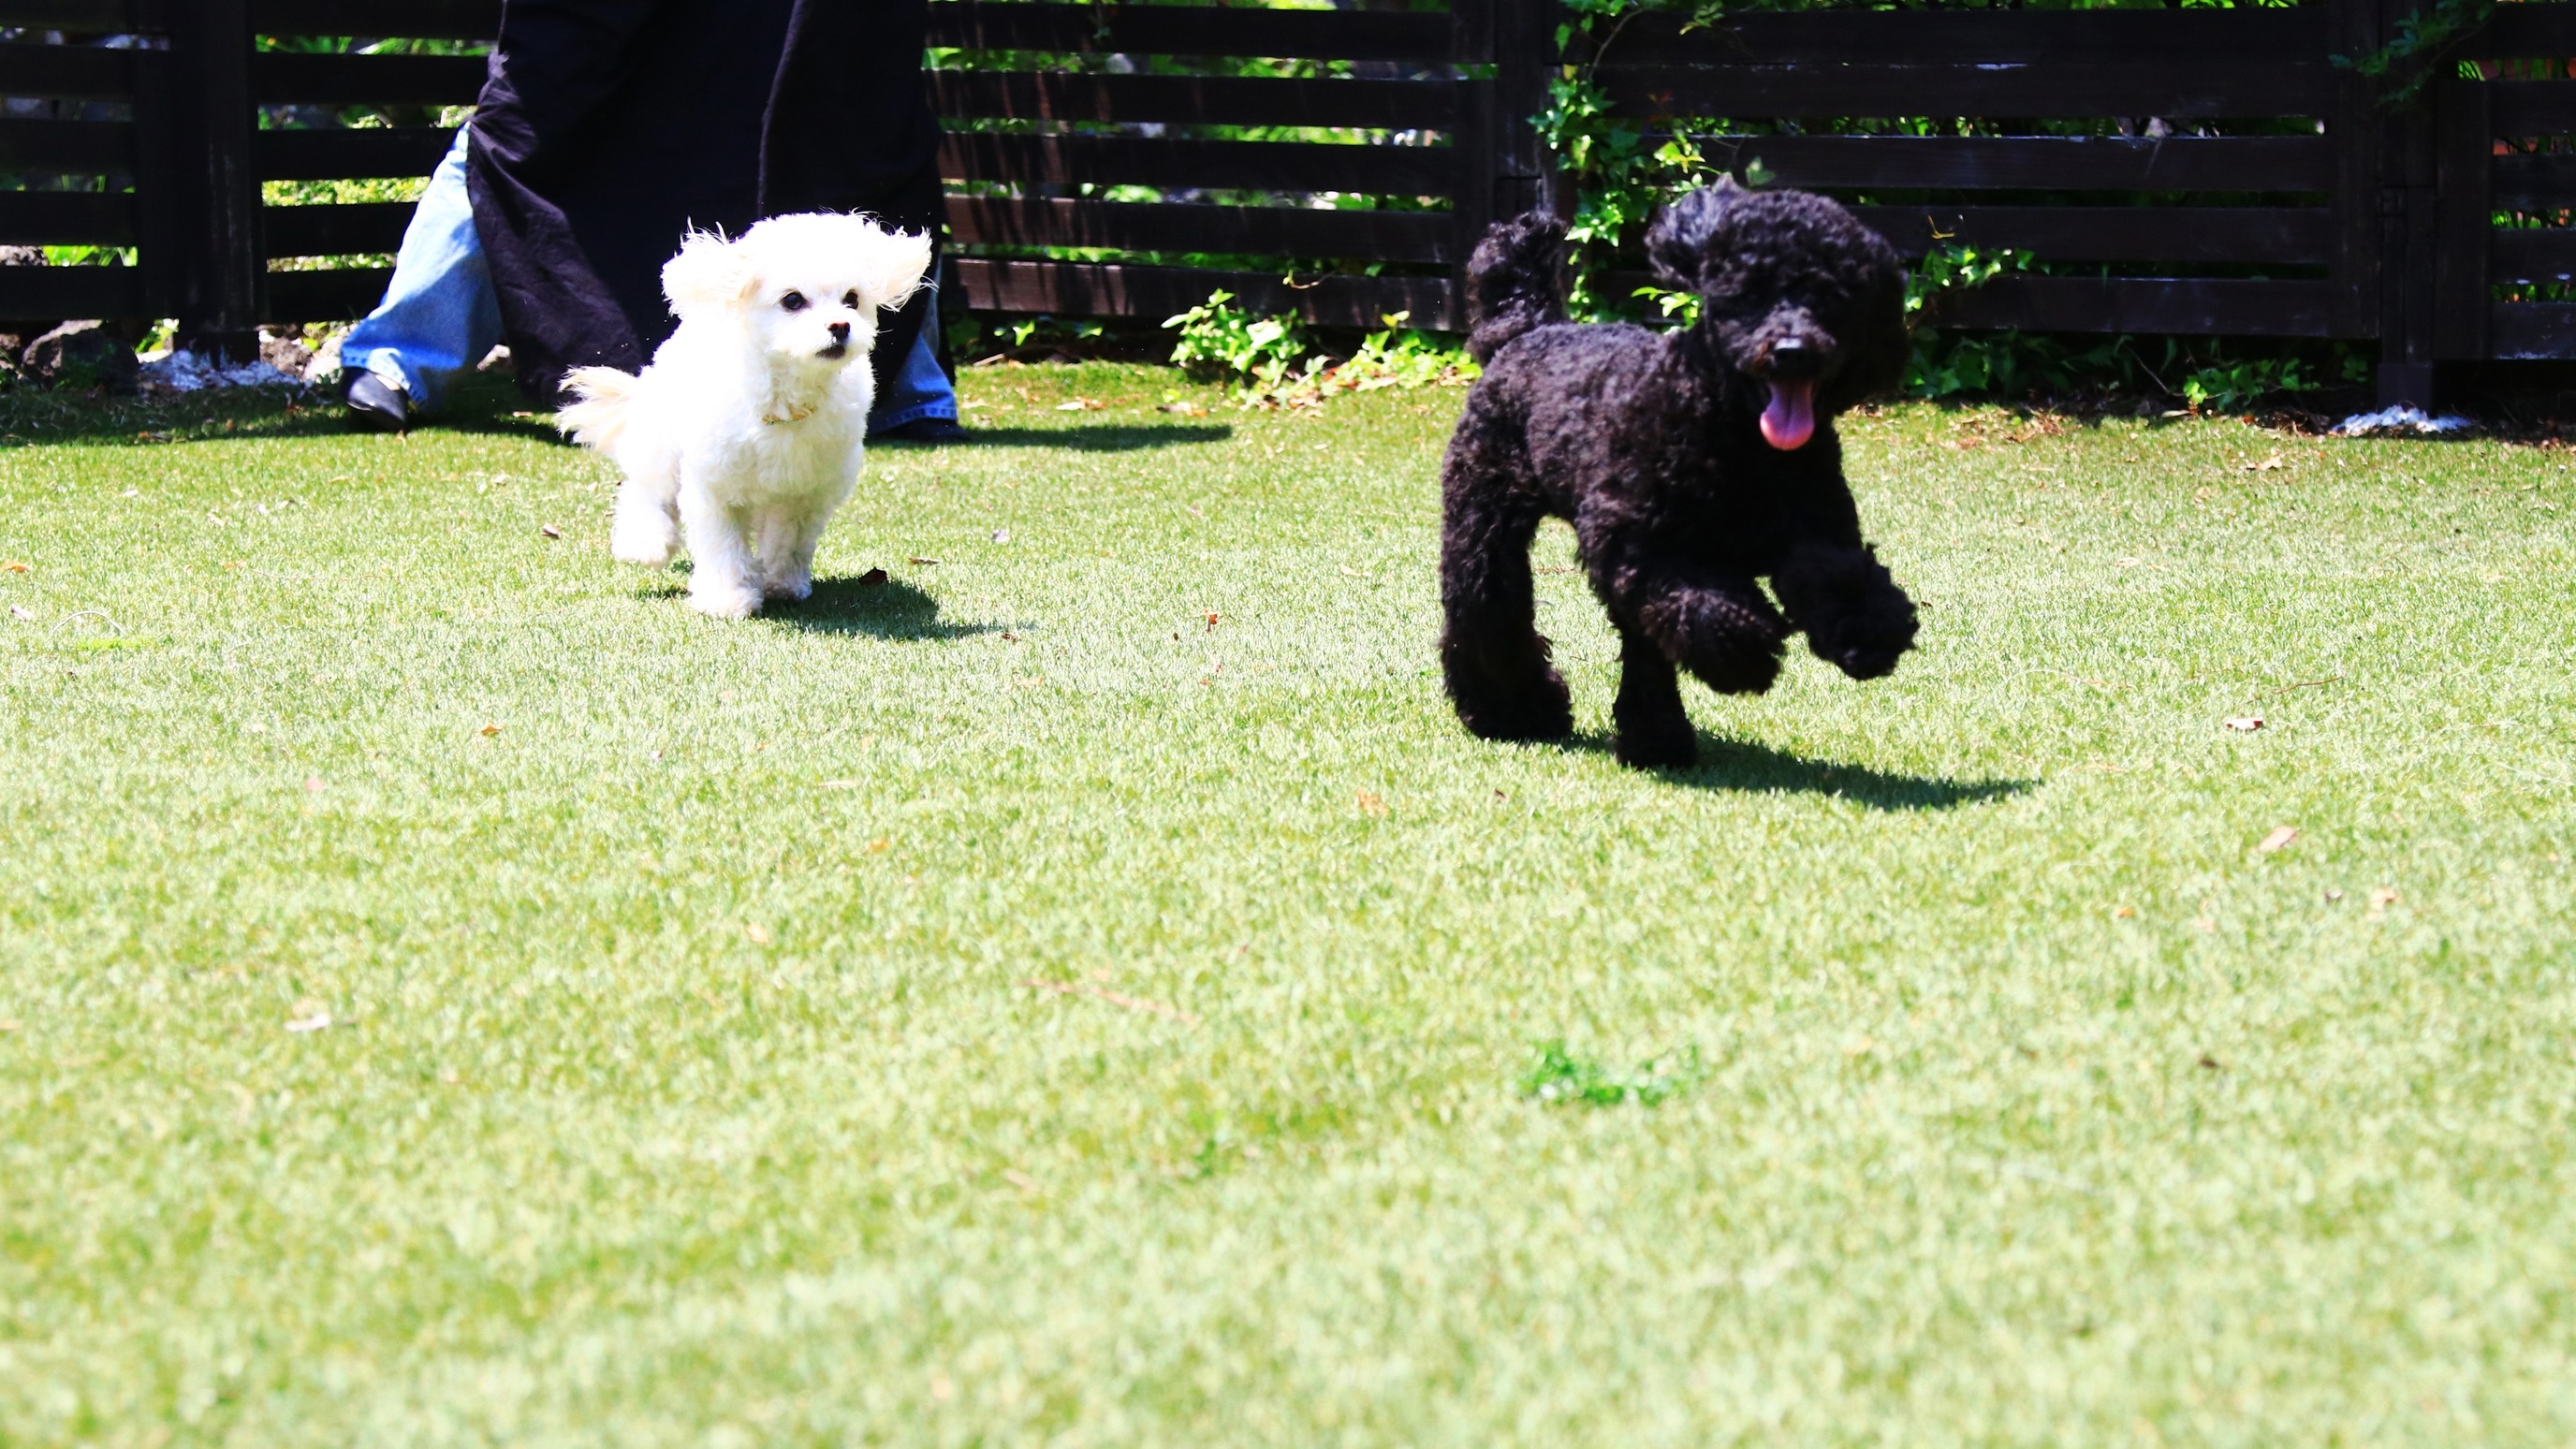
(1744, 767)
(889, 610)
(1097, 438)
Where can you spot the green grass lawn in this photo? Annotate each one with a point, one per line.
(1088, 989)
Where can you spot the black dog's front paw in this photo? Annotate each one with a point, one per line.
(1735, 663)
(1871, 663)
(1731, 647)
(1856, 618)
(1867, 644)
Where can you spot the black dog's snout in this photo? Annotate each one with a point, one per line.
(840, 331)
(1796, 354)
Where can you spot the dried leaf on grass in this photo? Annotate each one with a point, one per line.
(1372, 803)
(1080, 405)
(1118, 999)
(551, 531)
(873, 578)
(489, 730)
(21, 611)
(758, 933)
(2381, 899)
(16, 566)
(2246, 723)
(309, 1016)
(2281, 835)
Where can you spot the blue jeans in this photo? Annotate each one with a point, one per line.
(919, 390)
(439, 316)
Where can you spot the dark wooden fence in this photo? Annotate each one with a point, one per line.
(2166, 217)
(2264, 190)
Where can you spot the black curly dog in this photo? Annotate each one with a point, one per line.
(1691, 463)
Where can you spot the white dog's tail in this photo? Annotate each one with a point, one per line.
(601, 406)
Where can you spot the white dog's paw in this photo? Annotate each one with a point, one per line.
(725, 601)
(648, 540)
(795, 588)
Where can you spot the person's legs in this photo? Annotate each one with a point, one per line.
(439, 316)
(918, 393)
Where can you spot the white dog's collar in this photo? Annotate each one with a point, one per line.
(794, 415)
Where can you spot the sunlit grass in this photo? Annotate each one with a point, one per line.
(1088, 989)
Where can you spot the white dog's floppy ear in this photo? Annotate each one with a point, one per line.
(892, 264)
(709, 273)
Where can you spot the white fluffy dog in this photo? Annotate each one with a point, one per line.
(748, 428)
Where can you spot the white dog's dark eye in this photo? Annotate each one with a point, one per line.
(850, 299)
(792, 302)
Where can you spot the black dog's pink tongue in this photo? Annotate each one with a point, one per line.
(1791, 419)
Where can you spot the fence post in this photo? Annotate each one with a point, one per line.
(2409, 233)
(1524, 55)
(2353, 30)
(2463, 295)
(212, 122)
(1475, 146)
(1504, 170)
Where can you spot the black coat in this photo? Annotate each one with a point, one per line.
(610, 128)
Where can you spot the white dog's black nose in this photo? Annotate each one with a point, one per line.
(840, 331)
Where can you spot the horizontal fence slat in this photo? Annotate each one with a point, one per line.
(2207, 89)
(1093, 290)
(336, 155)
(2532, 331)
(285, 78)
(68, 292)
(2521, 181)
(2532, 108)
(2251, 235)
(66, 218)
(2034, 163)
(1391, 236)
(1232, 165)
(2188, 306)
(1207, 100)
(409, 20)
(343, 294)
(66, 148)
(2522, 31)
(335, 230)
(2532, 254)
(1191, 30)
(2031, 37)
(88, 17)
(66, 72)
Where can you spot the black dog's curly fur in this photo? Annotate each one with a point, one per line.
(1651, 445)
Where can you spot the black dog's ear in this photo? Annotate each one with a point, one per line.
(1677, 244)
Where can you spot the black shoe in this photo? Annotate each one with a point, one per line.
(377, 404)
(925, 430)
